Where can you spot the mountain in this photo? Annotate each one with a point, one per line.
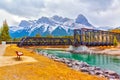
(117, 27)
(82, 20)
(105, 28)
(45, 20)
(59, 31)
(55, 25)
(60, 19)
(24, 23)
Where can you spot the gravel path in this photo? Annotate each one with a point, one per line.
(12, 60)
(2, 49)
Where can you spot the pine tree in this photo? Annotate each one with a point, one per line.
(49, 36)
(115, 42)
(5, 36)
(37, 35)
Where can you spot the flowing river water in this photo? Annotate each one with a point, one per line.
(107, 62)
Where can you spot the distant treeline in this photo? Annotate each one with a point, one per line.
(117, 30)
(48, 36)
(5, 35)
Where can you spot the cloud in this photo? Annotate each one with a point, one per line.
(24, 8)
(107, 16)
(11, 19)
(66, 8)
(100, 5)
(98, 12)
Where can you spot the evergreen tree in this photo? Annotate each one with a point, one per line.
(0, 34)
(115, 42)
(5, 36)
(50, 36)
(37, 35)
(0, 29)
(16, 39)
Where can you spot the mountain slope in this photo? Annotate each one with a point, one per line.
(59, 31)
(56, 26)
(82, 20)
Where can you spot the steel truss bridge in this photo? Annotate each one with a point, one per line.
(84, 36)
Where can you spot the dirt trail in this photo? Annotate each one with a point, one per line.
(12, 60)
(2, 49)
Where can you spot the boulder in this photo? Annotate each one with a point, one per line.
(84, 69)
(75, 67)
(69, 65)
(98, 72)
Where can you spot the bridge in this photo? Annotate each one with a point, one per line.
(91, 37)
(84, 36)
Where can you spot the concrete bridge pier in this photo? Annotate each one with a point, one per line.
(78, 49)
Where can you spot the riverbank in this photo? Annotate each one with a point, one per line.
(115, 51)
(43, 69)
(108, 50)
(79, 65)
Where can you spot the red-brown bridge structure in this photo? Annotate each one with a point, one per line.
(83, 36)
(91, 37)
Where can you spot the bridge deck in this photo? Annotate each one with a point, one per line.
(42, 41)
(88, 37)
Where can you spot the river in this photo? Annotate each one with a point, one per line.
(103, 61)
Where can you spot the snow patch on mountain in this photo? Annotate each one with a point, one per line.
(56, 25)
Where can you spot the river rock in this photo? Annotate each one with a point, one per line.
(75, 62)
(92, 72)
(60, 59)
(101, 75)
(98, 72)
(45, 54)
(64, 59)
(75, 67)
(97, 68)
(69, 65)
(91, 68)
(84, 64)
(49, 55)
(67, 61)
(84, 69)
(110, 72)
(53, 57)
(78, 63)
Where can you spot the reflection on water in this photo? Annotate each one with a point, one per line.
(103, 61)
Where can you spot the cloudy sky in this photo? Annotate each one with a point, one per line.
(98, 12)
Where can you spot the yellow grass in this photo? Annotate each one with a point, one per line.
(44, 69)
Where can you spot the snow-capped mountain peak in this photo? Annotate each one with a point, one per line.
(60, 19)
(56, 25)
(81, 19)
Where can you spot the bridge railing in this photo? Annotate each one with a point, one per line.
(88, 37)
(91, 37)
(40, 41)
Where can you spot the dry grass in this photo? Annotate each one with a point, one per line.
(104, 47)
(44, 69)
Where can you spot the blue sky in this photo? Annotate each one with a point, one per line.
(98, 12)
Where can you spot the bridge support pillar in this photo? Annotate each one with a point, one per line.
(79, 49)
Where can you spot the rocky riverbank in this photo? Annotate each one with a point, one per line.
(83, 67)
(43, 69)
(115, 51)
